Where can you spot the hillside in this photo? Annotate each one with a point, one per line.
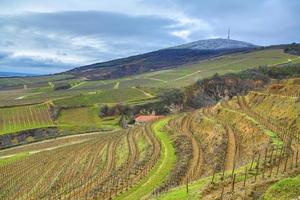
(208, 153)
(215, 44)
(13, 74)
(230, 129)
(84, 98)
(185, 68)
(161, 59)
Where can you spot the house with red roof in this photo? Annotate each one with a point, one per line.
(141, 119)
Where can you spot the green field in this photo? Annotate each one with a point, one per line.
(85, 117)
(284, 189)
(225, 64)
(24, 117)
(43, 80)
(106, 96)
(135, 89)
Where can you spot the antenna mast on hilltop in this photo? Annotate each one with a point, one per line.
(228, 36)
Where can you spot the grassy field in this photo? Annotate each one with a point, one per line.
(86, 117)
(75, 116)
(72, 120)
(221, 65)
(10, 82)
(11, 159)
(285, 189)
(106, 96)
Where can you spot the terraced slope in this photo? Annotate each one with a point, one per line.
(250, 140)
(160, 171)
(237, 149)
(89, 167)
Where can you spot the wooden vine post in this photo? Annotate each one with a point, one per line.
(213, 176)
(233, 183)
(264, 163)
(296, 161)
(245, 177)
(257, 167)
(187, 185)
(286, 162)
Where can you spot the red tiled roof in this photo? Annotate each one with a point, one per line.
(147, 118)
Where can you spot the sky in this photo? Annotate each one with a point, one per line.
(49, 36)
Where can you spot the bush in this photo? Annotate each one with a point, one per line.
(62, 86)
(174, 96)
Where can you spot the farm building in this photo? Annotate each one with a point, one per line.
(146, 118)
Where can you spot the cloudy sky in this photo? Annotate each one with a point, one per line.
(48, 36)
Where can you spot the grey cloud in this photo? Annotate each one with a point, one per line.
(88, 36)
(26, 65)
(91, 23)
(3, 55)
(262, 22)
(79, 37)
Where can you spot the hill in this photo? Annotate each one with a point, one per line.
(243, 148)
(234, 133)
(215, 44)
(161, 59)
(13, 74)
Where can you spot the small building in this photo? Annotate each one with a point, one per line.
(141, 119)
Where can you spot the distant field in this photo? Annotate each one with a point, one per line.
(136, 89)
(187, 74)
(78, 116)
(106, 96)
(24, 117)
(86, 116)
(85, 92)
(221, 65)
(10, 82)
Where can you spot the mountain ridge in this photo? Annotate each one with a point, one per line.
(15, 74)
(160, 59)
(214, 44)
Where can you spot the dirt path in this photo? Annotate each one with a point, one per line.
(195, 168)
(144, 92)
(117, 85)
(156, 79)
(133, 149)
(14, 150)
(101, 177)
(162, 168)
(188, 75)
(285, 62)
(77, 85)
(111, 157)
(276, 95)
(231, 151)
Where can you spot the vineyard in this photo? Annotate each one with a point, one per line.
(231, 150)
(24, 117)
(87, 169)
(242, 151)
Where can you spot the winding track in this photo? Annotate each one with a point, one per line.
(196, 164)
(161, 167)
(232, 149)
